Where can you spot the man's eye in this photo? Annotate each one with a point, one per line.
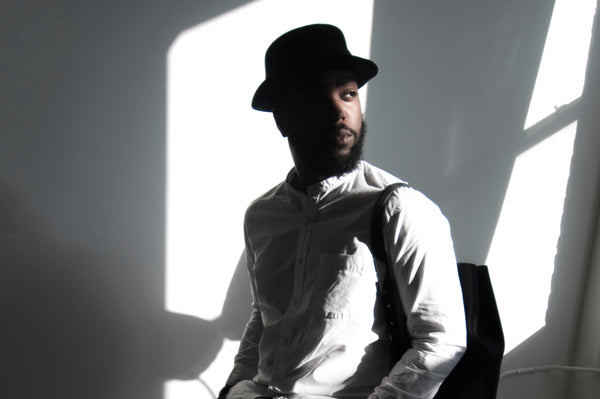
(349, 94)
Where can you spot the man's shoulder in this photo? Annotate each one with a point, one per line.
(273, 194)
(376, 177)
(403, 198)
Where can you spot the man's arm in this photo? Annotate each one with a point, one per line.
(246, 360)
(419, 245)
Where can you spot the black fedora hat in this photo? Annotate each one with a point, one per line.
(303, 51)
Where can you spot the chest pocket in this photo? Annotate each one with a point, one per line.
(344, 282)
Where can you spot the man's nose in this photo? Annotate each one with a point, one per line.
(335, 108)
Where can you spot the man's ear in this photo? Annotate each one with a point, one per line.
(279, 121)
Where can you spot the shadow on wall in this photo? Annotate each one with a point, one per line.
(448, 109)
(447, 114)
(77, 323)
(82, 153)
(578, 229)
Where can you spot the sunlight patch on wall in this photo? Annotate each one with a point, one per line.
(524, 245)
(562, 70)
(221, 154)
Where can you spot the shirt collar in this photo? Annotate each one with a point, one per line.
(318, 190)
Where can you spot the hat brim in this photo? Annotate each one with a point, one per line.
(270, 89)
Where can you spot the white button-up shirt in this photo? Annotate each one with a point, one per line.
(316, 329)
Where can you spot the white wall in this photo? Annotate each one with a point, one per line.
(84, 123)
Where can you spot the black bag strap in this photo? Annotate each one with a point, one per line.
(386, 285)
(378, 244)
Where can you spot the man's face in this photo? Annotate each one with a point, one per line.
(322, 118)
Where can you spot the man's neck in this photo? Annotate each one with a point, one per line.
(311, 171)
(305, 177)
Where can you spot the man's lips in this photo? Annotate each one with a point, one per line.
(344, 136)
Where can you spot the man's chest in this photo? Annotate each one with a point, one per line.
(316, 260)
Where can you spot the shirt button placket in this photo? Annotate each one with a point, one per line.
(304, 234)
(308, 218)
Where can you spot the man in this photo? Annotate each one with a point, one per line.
(316, 329)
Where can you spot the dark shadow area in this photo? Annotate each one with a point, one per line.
(447, 112)
(82, 201)
(78, 323)
(449, 106)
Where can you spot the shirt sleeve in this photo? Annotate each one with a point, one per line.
(419, 244)
(246, 360)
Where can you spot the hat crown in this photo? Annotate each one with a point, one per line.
(304, 48)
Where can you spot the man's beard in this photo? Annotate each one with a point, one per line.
(339, 165)
(328, 164)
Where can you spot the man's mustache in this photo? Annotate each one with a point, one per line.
(341, 127)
